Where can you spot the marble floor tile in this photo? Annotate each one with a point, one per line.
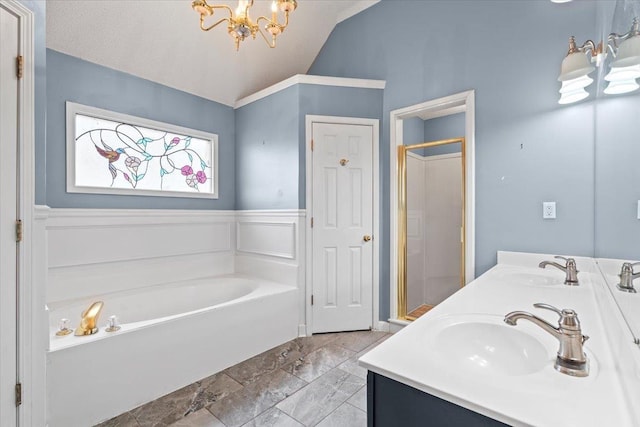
(359, 399)
(317, 400)
(174, 406)
(200, 418)
(318, 362)
(358, 341)
(374, 345)
(311, 343)
(256, 397)
(251, 369)
(345, 415)
(351, 365)
(124, 420)
(273, 417)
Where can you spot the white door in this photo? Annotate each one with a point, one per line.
(8, 213)
(342, 212)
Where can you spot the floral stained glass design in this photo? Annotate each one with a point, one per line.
(117, 155)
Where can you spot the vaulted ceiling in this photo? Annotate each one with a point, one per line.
(161, 41)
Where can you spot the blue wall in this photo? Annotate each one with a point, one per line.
(333, 101)
(529, 149)
(267, 152)
(446, 127)
(72, 79)
(271, 140)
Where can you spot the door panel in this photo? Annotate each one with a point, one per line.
(342, 261)
(8, 213)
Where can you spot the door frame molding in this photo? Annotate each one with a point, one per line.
(32, 357)
(375, 124)
(463, 102)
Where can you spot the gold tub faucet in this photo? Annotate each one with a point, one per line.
(89, 321)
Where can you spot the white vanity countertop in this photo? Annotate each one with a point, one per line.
(542, 398)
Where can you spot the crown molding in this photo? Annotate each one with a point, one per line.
(310, 80)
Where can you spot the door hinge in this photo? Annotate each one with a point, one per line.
(312, 145)
(311, 222)
(19, 66)
(19, 230)
(18, 394)
(311, 299)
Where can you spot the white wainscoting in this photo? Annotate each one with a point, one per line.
(270, 246)
(94, 251)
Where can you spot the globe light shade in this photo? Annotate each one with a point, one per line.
(618, 87)
(623, 73)
(575, 84)
(575, 65)
(628, 53)
(574, 96)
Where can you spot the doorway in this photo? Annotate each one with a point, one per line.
(342, 253)
(461, 105)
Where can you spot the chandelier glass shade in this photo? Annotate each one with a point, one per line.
(240, 25)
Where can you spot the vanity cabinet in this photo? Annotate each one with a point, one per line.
(391, 403)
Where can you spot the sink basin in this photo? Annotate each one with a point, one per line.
(488, 346)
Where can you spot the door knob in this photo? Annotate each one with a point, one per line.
(366, 238)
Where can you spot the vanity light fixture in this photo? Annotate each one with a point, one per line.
(574, 72)
(625, 68)
(239, 23)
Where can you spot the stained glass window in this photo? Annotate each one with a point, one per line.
(113, 153)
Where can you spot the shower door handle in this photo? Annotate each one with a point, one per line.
(366, 238)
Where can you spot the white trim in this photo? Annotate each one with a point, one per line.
(32, 337)
(460, 102)
(73, 109)
(293, 213)
(356, 8)
(310, 80)
(375, 124)
(149, 215)
(383, 326)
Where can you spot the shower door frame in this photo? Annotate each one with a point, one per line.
(402, 218)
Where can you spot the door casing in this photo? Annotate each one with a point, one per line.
(309, 120)
(32, 333)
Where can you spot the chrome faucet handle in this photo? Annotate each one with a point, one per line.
(548, 307)
(627, 276)
(568, 320)
(570, 359)
(570, 269)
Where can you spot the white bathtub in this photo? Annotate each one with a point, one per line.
(171, 336)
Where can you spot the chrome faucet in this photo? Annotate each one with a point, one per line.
(571, 359)
(627, 276)
(569, 268)
(89, 320)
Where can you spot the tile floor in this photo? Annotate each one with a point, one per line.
(309, 381)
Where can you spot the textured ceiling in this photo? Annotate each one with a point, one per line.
(161, 41)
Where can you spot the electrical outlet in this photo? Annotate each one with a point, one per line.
(549, 210)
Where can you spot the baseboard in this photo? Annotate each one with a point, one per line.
(302, 330)
(382, 326)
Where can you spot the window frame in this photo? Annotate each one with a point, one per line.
(73, 109)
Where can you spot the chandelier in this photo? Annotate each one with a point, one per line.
(239, 23)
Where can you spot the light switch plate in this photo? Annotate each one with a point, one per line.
(638, 209)
(549, 210)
